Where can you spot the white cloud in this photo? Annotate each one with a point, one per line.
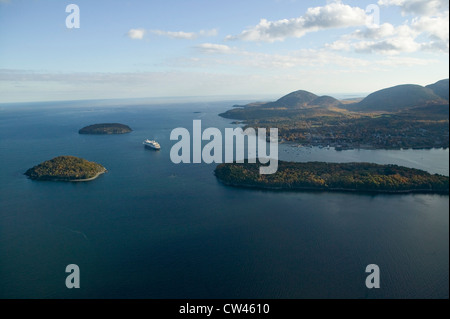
(185, 35)
(175, 34)
(405, 61)
(333, 15)
(136, 34)
(431, 20)
(314, 60)
(258, 60)
(390, 46)
(302, 58)
(214, 48)
(422, 34)
(436, 27)
(435, 46)
(139, 34)
(384, 30)
(419, 7)
(385, 39)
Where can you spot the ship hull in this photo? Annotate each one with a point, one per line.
(152, 147)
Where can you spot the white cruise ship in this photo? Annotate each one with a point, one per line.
(152, 144)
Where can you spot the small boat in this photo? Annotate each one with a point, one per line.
(152, 144)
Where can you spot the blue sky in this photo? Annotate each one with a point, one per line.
(137, 48)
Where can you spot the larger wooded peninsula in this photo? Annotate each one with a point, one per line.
(321, 176)
(403, 116)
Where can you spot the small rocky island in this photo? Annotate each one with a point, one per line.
(66, 168)
(321, 176)
(106, 128)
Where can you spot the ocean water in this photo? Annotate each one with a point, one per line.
(153, 229)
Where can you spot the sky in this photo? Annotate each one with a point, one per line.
(235, 48)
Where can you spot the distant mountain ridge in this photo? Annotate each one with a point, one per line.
(325, 101)
(299, 100)
(390, 99)
(404, 96)
(440, 88)
(295, 99)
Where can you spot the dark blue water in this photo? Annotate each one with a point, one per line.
(152, 229)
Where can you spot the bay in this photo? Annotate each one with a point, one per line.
(153, 229)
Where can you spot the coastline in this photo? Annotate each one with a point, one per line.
(342, 190)
(72, 180)
(295, 144)
(88, 179)
(339, 146)
(103, 133)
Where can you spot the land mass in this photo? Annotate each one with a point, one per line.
(106, 128)
(66, 168)
(321, 176)
(403, 116)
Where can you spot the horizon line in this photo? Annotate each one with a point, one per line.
(191, 99)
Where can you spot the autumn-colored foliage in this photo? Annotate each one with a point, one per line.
(334, 176)
(65, 168)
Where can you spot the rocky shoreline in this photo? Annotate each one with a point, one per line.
(341, 190)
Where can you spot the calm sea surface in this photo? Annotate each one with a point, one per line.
(152, 229)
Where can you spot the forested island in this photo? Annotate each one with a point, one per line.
(322, 176)
(106, 128)
(66, 168)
